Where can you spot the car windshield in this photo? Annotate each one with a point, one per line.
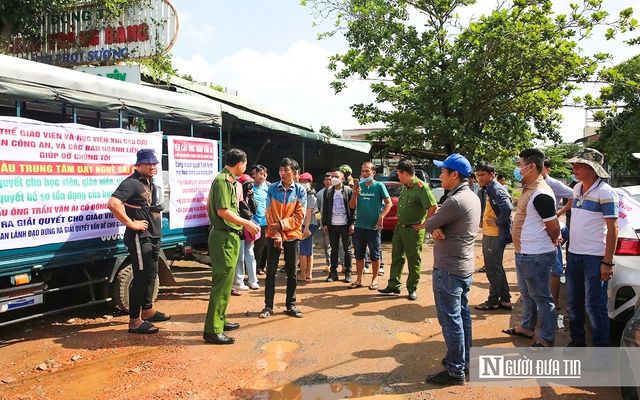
(436, 183)
(394, 190)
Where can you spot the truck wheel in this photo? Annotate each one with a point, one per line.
(121, 286)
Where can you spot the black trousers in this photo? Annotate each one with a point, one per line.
(339, 233)
(144, 253)
(260, 249)
(291, 252)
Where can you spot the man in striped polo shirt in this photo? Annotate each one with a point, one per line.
(592, 241)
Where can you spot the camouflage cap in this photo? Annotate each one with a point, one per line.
(592, 158)
(346, 169)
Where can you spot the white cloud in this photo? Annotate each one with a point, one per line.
(293, 84)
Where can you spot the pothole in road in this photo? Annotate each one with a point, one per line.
(327, 391)
(274, 357)
(406, 337)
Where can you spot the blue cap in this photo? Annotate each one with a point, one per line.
(455, 162)
(146, 156)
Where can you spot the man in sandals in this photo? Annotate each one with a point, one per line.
(496, 234)
(535, 235)
(135, 203)
(454, 228)
(368, 196)
(286, 206)
(224, 245)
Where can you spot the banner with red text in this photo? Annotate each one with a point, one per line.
(628, 209)
(193, 163)
(56, 180)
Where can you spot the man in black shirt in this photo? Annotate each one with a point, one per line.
(137, 205)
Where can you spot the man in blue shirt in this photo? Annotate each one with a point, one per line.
(260, 185)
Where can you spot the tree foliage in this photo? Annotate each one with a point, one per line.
(558, 154)
(326, 129)
(620, 123)
(484, 90)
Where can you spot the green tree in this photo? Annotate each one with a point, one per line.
(558, 154)
(620, 123)
(326, 129)
(484, 90)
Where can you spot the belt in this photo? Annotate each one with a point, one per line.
(407, 225)
(230, 231)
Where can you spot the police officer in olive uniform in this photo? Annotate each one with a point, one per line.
(224, 245)
(415, 205)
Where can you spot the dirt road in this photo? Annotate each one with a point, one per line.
(350, 343)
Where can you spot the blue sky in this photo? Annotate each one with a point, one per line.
(267, 51)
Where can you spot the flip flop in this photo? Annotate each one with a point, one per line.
(537, 346)
(374, 286)
(235, 292)
(145, 328)
(513, 332)
(159, 317)
(486, 307)
(294, 312)
(354, 286)
(265, 313)
(503, 307)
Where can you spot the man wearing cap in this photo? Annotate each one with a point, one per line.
(338, 219)
(592, 241)
(415, 204)
(137, 205)
(454, 228)
(224, 245)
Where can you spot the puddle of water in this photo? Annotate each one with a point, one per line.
(330, 391)
(86, 380)
(275, 351)
(406, 337)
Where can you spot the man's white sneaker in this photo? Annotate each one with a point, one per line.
(254, 286)
(241, 287)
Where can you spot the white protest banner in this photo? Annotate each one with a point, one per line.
(628, 209)
(193, 164)
(56, 180)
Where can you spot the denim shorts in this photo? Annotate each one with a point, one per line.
(306, 245)
(363, 238)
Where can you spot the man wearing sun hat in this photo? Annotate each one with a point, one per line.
(137, 205)
(592, 241)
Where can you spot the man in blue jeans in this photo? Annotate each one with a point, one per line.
(593, 237)
(454, 228)
(536, 233)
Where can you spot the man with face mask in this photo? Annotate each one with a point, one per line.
(535, 235)
(338, 219)
(368, 196)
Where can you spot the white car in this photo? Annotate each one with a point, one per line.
(624, 287)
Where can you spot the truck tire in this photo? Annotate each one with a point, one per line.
(121, 285)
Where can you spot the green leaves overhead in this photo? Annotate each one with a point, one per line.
(486, 90)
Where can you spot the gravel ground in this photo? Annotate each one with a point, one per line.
(350, 343)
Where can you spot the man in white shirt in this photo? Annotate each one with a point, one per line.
(593, 238)
(338, 220)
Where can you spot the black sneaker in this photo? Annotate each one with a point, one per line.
(389, 290)
(332, 278)
(443, 378)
